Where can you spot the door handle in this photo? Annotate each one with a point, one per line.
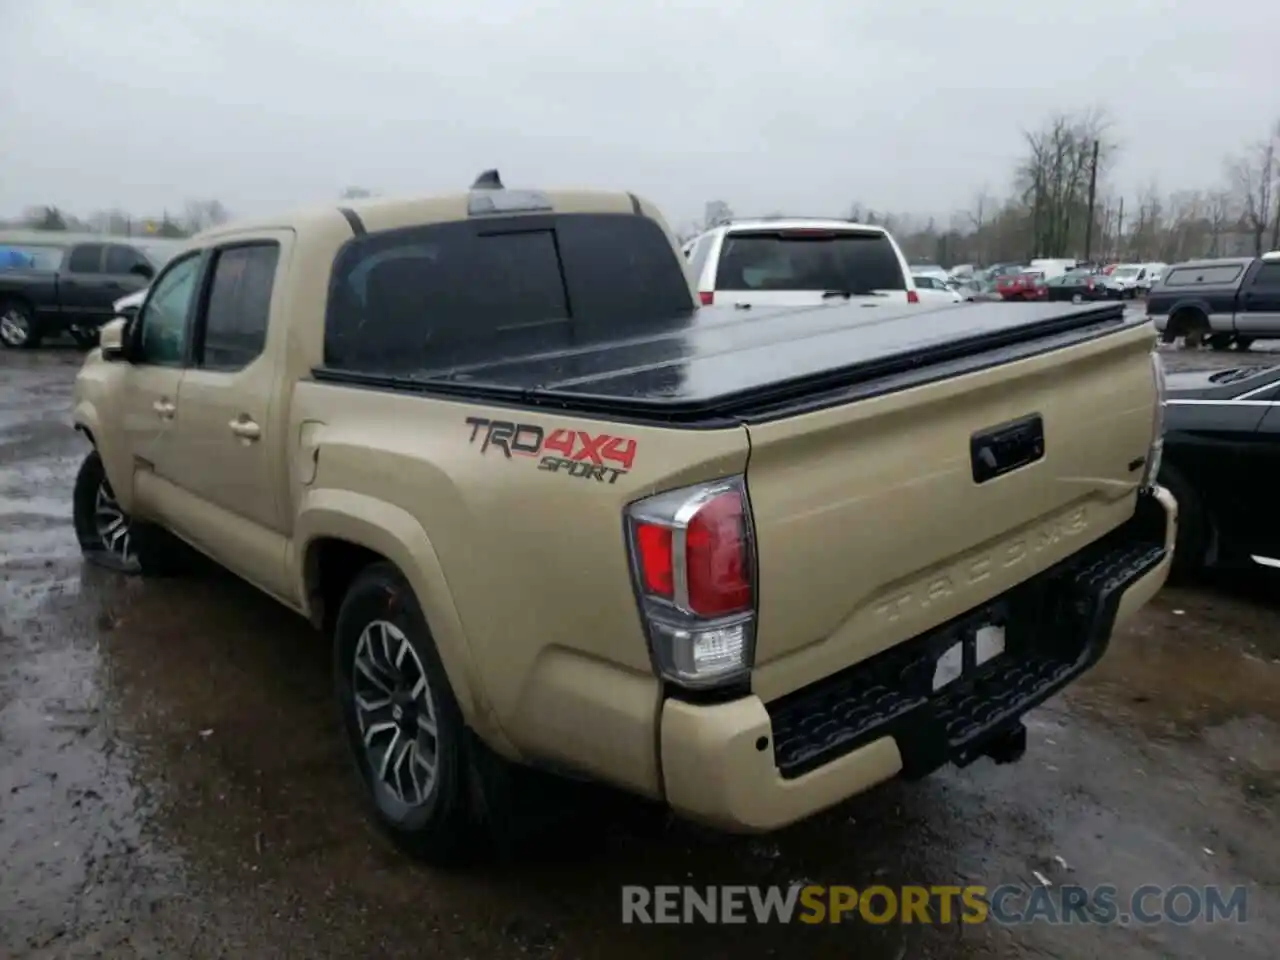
(165, 408)
(245, 429)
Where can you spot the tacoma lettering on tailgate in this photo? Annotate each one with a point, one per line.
(573, 453)
(943, 585)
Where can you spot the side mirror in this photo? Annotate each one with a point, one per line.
(143, 270)
(111, 339)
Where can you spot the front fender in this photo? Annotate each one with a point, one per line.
(395, 534)
(88, 419)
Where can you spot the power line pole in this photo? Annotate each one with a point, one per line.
(1093, 190)
(1120, 232)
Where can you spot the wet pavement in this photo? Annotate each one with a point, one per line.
(172, 783)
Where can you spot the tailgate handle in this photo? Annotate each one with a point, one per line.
(1001, 449)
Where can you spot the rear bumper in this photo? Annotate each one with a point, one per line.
(749, 766)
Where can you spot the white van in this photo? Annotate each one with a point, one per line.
(1053, 267)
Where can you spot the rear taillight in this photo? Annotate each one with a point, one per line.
(692, 558)
(706, 297)
(1155, 452)
(913, 297)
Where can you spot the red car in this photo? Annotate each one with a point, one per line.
(1022, 286)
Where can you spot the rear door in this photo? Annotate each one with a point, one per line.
(1258, 307)
(797, 266)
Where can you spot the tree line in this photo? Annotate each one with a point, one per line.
(195, 216)
(1060, 203)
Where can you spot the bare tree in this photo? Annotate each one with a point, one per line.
(1054, 178)
(716, 213)
(202, 214)
(1253, 178)
(45, 218)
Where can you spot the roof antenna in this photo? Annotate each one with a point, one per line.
(489, 180)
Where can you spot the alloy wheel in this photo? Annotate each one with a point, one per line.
(15, 329)
(396, 713)
(112, 525)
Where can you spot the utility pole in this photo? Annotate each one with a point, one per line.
(1093, 190)
(1120, 231)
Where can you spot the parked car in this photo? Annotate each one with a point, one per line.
(998, 270)
(934, 290)
(930, 270)
(781, 586)
(1051, 267)
(792, 262)
(1224, 302)
(1221, 460)
(128, 306)
(1028, 285)
(1076, 286)
(70, 287)
(1127, 280)
(1153, 273)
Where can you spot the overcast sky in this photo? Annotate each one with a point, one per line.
(794, 105)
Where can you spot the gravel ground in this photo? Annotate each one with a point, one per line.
(172, 783)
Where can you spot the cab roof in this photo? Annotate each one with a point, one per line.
(486, 198)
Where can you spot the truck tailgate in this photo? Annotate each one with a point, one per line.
(872, 525)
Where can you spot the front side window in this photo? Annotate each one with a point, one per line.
(163, 320)
(122, 260)
(1268, 276)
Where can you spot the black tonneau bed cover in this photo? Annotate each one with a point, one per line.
(726, 361)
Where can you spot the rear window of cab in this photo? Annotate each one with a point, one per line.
(485, 289)
(809, 259)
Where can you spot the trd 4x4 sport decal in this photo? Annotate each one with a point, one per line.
(572, 452)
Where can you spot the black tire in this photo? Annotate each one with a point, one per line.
(1191, 325)
(1244, 343)
(129, 546)
(1194, 527)
(102, 527)
(1220, 341)
(18, 327)
(434, 822)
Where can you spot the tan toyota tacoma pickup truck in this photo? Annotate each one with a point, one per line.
(746, 562)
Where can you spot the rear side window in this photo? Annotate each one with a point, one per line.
(476, 291)
(86, 258)
(809, 260)
(1194, 276)
(239, 305)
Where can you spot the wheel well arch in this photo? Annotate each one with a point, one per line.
(8, 296)
(1187, 316)
(329, 568)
